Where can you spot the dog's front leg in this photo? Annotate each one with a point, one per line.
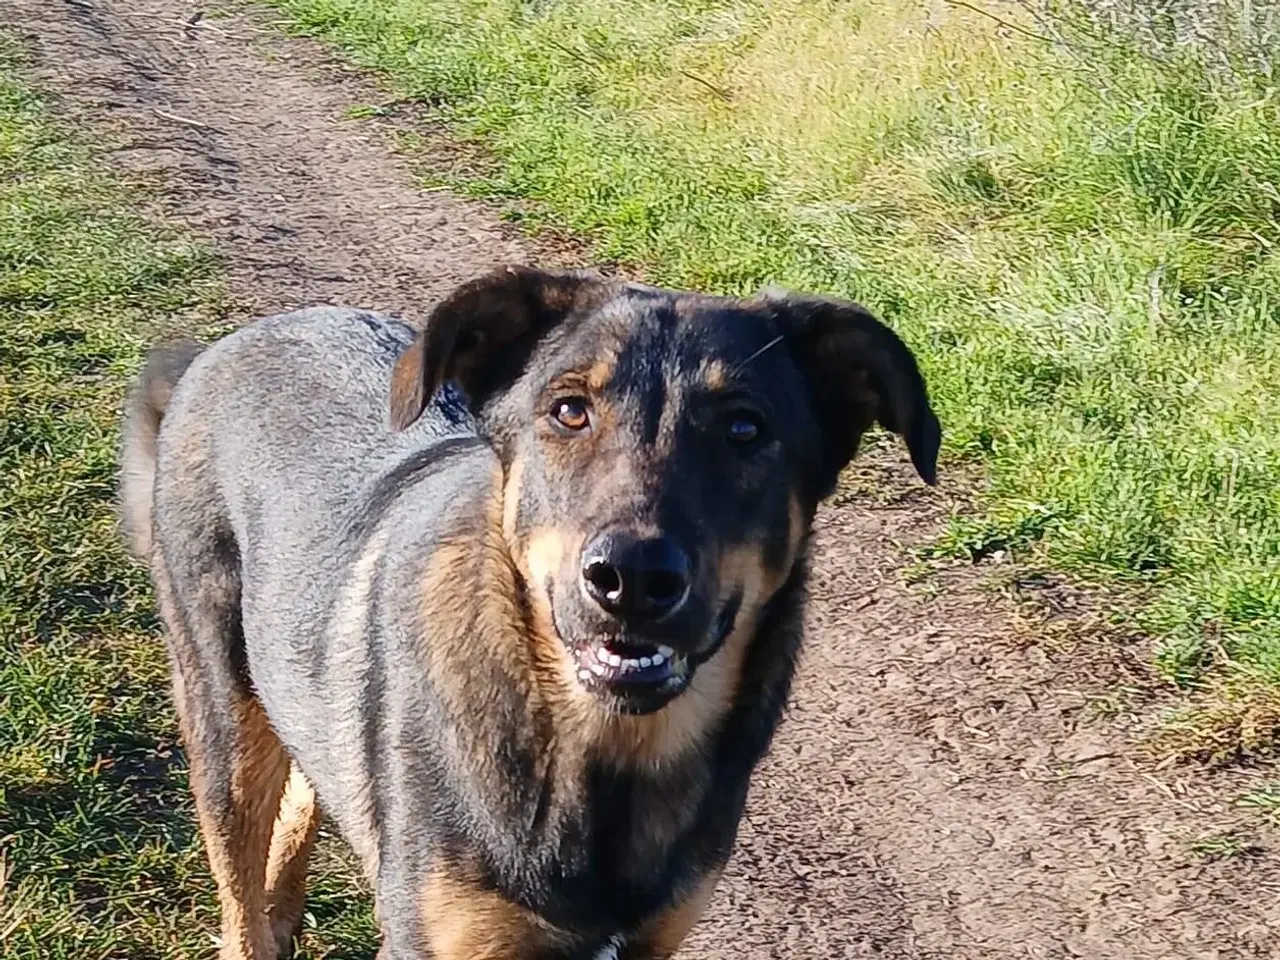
(661, 937)
(448, 916)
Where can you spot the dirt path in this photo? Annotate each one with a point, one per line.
(942, 788)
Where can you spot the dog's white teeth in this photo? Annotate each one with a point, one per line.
(603, 662)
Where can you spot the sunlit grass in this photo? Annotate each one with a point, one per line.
(1081, 245)
(99, 855)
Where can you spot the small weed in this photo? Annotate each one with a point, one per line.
(927, 589)
(1110, 705)
(1226, 722)
(918, 572)
(1222, 846)
(363, 111)
(1266, 800)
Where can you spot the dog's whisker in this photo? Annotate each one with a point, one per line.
(768, 346)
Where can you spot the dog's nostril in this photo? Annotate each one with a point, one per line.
(604, 579)
(665, 587)
(635, 579)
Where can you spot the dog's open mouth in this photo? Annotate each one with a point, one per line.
(641, 676)
(628, 665)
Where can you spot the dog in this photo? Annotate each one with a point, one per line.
(514, 598)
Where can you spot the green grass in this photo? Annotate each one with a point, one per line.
(98, 851)
(1082, 246)
(1265, 800)
(1222, 846)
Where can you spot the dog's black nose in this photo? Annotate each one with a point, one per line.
(635, 579)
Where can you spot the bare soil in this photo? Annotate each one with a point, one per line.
(952, 781)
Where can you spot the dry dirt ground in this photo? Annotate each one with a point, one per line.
(944, 786)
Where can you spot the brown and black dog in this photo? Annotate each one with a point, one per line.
(517, 598)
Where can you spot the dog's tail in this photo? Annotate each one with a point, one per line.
(143, 411)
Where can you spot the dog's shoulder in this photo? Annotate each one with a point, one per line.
(328, 336)
(319, 372)
(291, 414)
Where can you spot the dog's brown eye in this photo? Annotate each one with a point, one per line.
(571, 414)
(744, 428)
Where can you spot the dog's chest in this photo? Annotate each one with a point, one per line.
(610, 857)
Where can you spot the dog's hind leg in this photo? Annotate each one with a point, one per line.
(238, 765)
(292, 838)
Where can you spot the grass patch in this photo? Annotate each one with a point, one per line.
(1223, 846)
(1228, 722)
(99, 856)
(1082, 247)
(1265, 800)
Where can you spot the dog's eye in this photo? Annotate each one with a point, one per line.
(744, 427)
(571, 413)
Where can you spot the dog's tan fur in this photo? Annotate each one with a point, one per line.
(466, 922)
(292, 839)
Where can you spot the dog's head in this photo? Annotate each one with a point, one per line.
(664, 452)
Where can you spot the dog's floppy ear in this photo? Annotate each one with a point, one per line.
(482, 333)
(859, 372)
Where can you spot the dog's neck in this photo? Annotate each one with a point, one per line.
(546, 771)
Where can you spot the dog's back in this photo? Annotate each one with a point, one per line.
(280, 428)
(301, 363)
